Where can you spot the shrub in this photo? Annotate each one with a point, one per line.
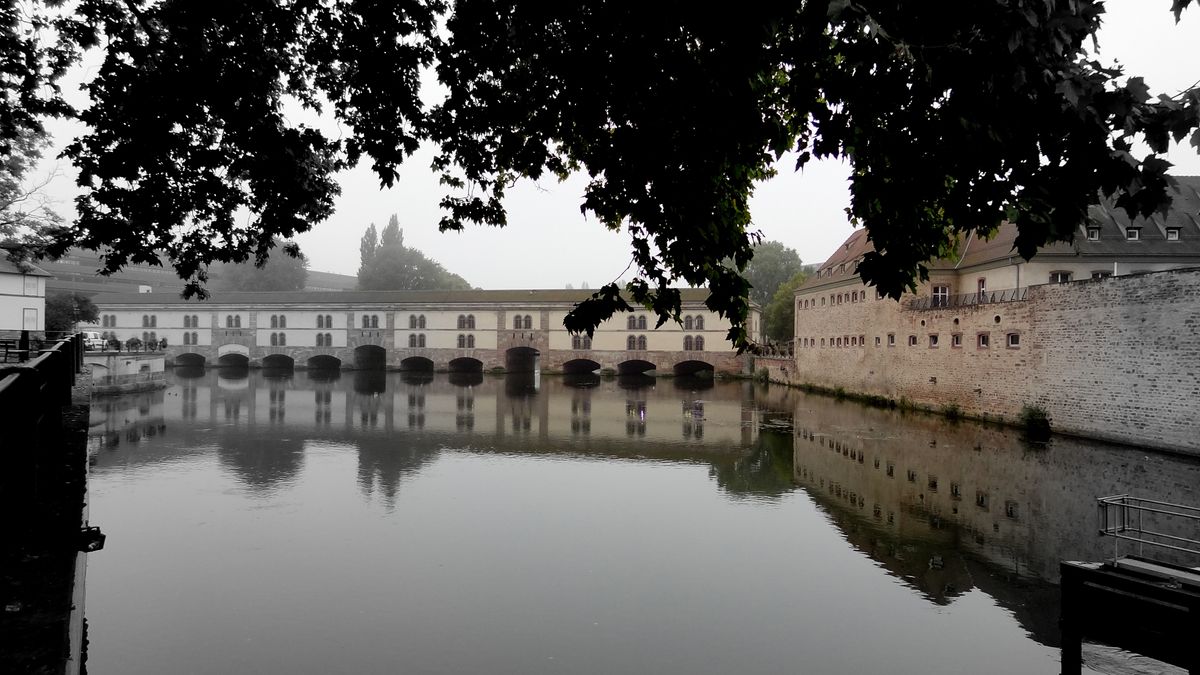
(1035, 421)
(952, 412)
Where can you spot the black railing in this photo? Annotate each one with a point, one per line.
(967, 299)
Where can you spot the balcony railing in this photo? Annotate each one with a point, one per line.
(967, 299)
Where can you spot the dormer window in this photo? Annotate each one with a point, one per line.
(1133, 233)
(1172, 234)
(1093, 234)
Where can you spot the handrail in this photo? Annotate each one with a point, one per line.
(968, 299)
(1124, 518)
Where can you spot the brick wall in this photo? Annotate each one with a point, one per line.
(1116, 358)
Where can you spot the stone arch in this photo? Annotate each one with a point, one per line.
(693, 367)
(190, 359)
(233, 360)
(521, 360)
(580, 366)
(418, 364)
(323, 362)
(372, 357)
(465, 364)
(278, 361)
(635, 366)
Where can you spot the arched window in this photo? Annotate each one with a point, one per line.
(687, 343)
(282, 321)
(328, 340)
(517, 322)
(632, 322)
(320, 339)
(412, 320)
(470, 342)
(470, 322)
(699, 322)
(462, 341)
(412, 340)
(187, 321)
(462, 322)
(329, 321)
(274, 339)
(274, 321)
(283, 339)
(374, 321)
(237, 321)
(528, 322)
(576, 343)
(631, 342)
(699, 343)
(320, 321)
(642, 323)
(366, 321)
(421, 340)
(195, 338)
(641, 342)
(185, 338)
(145, 321)
(822, 302)
(421, 322)
(687, 322)
(587, 342)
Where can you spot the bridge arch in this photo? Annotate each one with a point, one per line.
(521, 359)
(418, 364)
(323, 362)
(233, 360)
(694, 367)
(580, 367)
(278, 362)
(465, 379)
(635, 367)
(466, 364)
(370, 357)
(190, 359)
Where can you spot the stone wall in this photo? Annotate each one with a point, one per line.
(1115, 358)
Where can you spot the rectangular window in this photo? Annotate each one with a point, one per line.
(984, 341)
(31, 285)
(1101, 274)
(878, 341)
(29, 319)
(1060, 277)
(891, 339)
(1014, 340)
(981, 287)
(1093, 234)
(1133, 233)
(912, 340)
(933, 341)
(941, 296)
(956, 340)
(1172, 234)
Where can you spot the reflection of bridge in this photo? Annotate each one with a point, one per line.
(461, 331)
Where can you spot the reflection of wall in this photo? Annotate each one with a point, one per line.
(1020, 507)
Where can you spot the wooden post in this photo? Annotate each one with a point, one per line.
(1069, 622)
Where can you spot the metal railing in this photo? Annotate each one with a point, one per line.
(1145, 521)
(968, 299)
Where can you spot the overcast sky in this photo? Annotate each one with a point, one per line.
(549, 243)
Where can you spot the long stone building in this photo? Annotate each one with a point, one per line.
(518, 330)
(1103, 334)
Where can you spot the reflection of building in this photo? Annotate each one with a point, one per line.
(991, 333)
(419, 330)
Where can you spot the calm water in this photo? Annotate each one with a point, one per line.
(372, 523)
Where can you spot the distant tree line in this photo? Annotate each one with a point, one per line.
(386, 264)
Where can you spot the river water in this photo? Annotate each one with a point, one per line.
(266, 522)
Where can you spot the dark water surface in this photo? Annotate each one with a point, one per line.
(263, 522)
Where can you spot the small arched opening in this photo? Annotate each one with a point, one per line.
(370, 357)
(635, 367)
(521, 360)
(580, 367)
(465, 364)
(323, 362)
(693, 367)
(233, 360)
(190, 359)
(417, 364)
(278, 362)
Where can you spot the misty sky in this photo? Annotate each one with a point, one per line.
(549, 243)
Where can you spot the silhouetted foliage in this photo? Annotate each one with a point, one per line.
(65, 310)
(952, 119)
(772, 266)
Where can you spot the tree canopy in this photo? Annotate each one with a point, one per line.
(771, 267)
(387, 265)
(279, 273)
(953, 117)
(779, 316)
(65, 310)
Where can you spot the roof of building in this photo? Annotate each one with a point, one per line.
(474, 297)
(1111, 225)
(28, 269)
